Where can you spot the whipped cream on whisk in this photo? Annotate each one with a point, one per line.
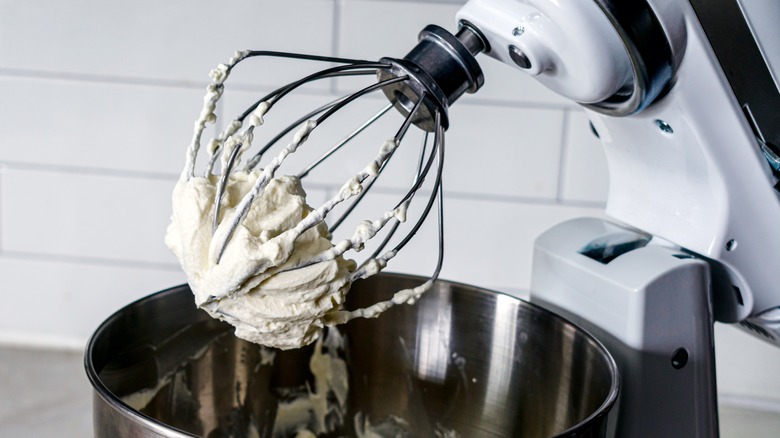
(267, 302)
(255, 253)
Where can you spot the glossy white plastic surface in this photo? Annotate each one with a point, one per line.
(570, 44)
(688, 169)
(704, 186)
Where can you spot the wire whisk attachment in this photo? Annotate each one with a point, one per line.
(255, 252)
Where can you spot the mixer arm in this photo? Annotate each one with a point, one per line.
(688, 122)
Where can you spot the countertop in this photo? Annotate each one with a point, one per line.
(46, 393)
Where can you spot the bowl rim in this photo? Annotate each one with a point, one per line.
(114, 401)
(97, 384)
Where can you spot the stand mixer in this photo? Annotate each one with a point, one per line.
(684, 98)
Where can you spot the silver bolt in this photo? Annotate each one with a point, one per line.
(519, 30)
(665, 127)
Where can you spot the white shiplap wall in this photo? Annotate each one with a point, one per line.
(97, 100)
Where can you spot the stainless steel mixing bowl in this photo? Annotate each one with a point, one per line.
(462, 359)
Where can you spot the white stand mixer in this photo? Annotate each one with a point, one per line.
(684, 98)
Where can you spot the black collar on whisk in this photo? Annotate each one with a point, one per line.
(442, 67)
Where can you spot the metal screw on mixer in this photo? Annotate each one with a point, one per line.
(518, 56)
(665, 127)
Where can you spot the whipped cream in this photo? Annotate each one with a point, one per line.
(260, 257)
(254, 286)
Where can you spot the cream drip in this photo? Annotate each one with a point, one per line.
(322, 408)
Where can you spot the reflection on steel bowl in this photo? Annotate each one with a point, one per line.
(462, 362)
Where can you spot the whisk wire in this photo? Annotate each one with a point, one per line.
(303, 56)
(274, 96)
(268, 172)
(221, 184)
(397, 139)
(438, 149)
(421, 86)
(397, 223)
(331, 107)
(371, 266)
(303, 173)
(278, 94)
(216, 87)
(440, 216)
(255, 160)
(359, 239)
(270, 99)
